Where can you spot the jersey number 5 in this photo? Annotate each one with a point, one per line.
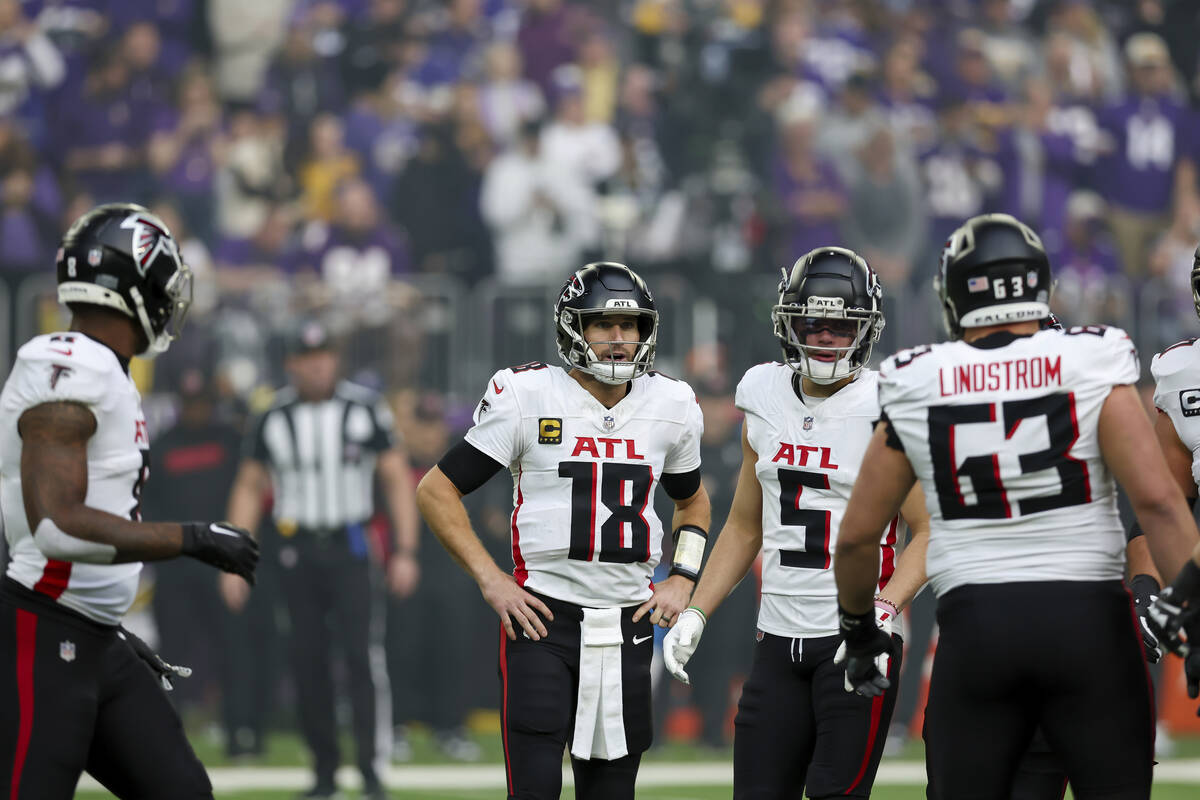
(815, 554)
(611, 478)
(984, 470)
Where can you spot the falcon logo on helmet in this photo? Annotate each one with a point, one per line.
(605, 287)
(122, 257)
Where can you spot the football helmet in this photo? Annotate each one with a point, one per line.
(828, 288)
(121, 256)
(1196, 281)
(605, 287)
(993, 271)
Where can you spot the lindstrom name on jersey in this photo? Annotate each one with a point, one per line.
(808, 460)
(1004, 441)
(584, 528)
(70, 367)
(1176, 372)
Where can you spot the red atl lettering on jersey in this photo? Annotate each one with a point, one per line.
(796, 455)
(139, 434)
(586, 444)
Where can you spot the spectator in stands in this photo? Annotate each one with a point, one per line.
(539, 222)
(599, 76)
(252, 178)
(1149, 163)
(907, 96)
(245, 38)
(243, 264)
(328, 163)
(1007, 46)
(29, 61)
(1091, 285)
(1094, 57)
(886, 222)
(507, 100)
(373, 44)
(547, 39)
(30, 203)
(849, 124)
(141, 48)
(455, 46)
(303, 84)
(185, 149)
(810, 196)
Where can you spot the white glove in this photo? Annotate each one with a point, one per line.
(890, 623)
(681, 642)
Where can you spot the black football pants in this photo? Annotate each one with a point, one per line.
(74, 696)
(1062, 655)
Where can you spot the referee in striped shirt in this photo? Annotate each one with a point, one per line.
(319, 448)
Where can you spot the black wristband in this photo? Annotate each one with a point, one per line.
(856, 627)
(1187, 582)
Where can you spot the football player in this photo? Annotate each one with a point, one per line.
(808, 421)
(1016, 434)
(76, 692)
(586, 447)
(1176, 372)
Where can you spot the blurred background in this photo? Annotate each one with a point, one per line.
(424, 174)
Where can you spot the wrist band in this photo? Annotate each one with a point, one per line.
(689, 551)
(703, 616)
(881, 601)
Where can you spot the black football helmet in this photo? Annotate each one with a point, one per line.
(605, 288)
(1196, 281)
(993, 271)
(835, 288)
(123, 257)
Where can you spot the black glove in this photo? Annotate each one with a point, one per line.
(165, 672)
(222, 545)
(1175, 609)
(865, 641)
(1145, 591)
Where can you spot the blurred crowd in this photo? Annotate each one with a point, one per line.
(423, 174)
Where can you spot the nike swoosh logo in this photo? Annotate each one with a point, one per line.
(497, 387)
(60, 352)
(640, 639)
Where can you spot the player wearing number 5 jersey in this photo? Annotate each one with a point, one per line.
(586, 448)
(1016, 435)
(75, 691)
(808, 421)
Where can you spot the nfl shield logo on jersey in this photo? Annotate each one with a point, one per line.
(808, 422)
(610, 422)
(66, 650)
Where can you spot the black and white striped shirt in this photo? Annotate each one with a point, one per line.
(322, 456)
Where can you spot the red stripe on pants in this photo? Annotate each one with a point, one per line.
(26, 648)
(504, 705)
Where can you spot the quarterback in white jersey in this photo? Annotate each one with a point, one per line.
(75, 691)
(586, 448)
(808, 422)
(1016, 434)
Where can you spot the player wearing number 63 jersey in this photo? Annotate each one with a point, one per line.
(808, 421)
(1016, 434)
(586, 448)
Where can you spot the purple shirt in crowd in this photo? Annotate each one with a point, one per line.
(1149, 137)
(803, 234)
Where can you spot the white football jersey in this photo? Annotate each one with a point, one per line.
(583, 523)
(1004, 441)
(70, 367)
(1176, 372)
(808, 459)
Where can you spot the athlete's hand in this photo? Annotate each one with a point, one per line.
(866, 649)
(224, 546)
(681, 642)
(1145, 591)
(166, 673)
(234, 591)
(670, 598)
(403, 573)
(1165, 618)
(512, 603)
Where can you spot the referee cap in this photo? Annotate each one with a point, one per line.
(310, 336)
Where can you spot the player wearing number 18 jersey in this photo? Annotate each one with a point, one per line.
(586, 448)
(1016, 435)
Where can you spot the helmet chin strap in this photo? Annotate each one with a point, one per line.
(833, 377)
(156, 343)
(614, 373)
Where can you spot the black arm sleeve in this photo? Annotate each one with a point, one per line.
(681, 485)
(893, 441)
(467, 467)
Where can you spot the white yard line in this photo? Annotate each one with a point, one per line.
(491, 776)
